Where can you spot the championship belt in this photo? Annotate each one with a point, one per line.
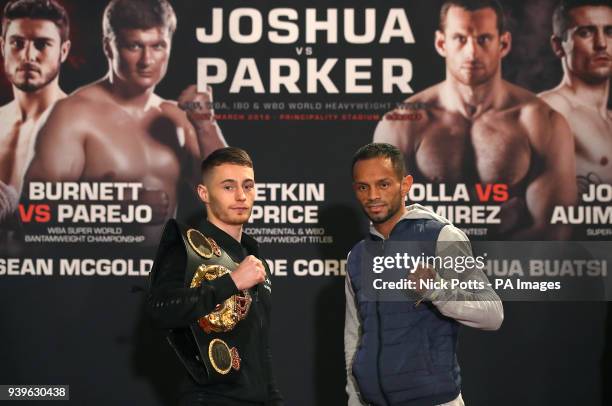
(226, 315)
(208, 349)
(224, 318)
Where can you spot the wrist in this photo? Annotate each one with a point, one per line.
(436, 291)
(236, 281)
(204, 121)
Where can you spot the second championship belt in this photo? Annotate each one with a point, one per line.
(215, 333)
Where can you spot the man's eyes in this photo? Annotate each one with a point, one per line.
(484, 40)
(232, 187)
(383, 185)
(17, 43)
(40, 45)
(134, 47)
(584, 32)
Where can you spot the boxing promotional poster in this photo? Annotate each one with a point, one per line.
(103, 131)
(344, 76)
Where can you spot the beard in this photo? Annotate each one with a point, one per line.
(28, 86)
(597, 76)
(394, 206)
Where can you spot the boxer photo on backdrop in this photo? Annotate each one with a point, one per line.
(117, 129)
(35, 42)
(476, 128)
(212, 291)
(582, 40)
(399, 352)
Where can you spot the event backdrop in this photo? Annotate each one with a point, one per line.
(72, 284)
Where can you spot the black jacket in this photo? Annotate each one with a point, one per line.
(174, 306)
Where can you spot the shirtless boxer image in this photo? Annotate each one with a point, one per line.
(118, 130)
(582, 39)
(476, 127)
(34, 44)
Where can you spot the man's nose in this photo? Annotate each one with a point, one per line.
(373, 193)
(31, 53)
(146, 57)
(471, 48)
(601, 40)
(240, 195)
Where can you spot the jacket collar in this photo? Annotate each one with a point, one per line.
(413, 211)
(378, 236)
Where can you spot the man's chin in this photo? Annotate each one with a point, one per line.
(238, 220)
(34, 85)
(378, 219)
(145, 83)
(28, 87)
(472, 79)
(599, 75)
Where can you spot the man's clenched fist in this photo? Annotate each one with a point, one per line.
(197, 105)
(249, 273)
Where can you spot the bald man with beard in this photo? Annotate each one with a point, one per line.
(118, 130)
(476, 128)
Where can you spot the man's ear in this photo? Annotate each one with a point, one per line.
(505, 40)
(203, 193)
(406, 185)
(65, 50)
(440, 43)
(2, 46)
(557, 46)
(106, 46)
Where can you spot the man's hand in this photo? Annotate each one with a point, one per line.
(201, 116)
(249, 273)
(422, 274)
(197, 106)
(8, 201)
